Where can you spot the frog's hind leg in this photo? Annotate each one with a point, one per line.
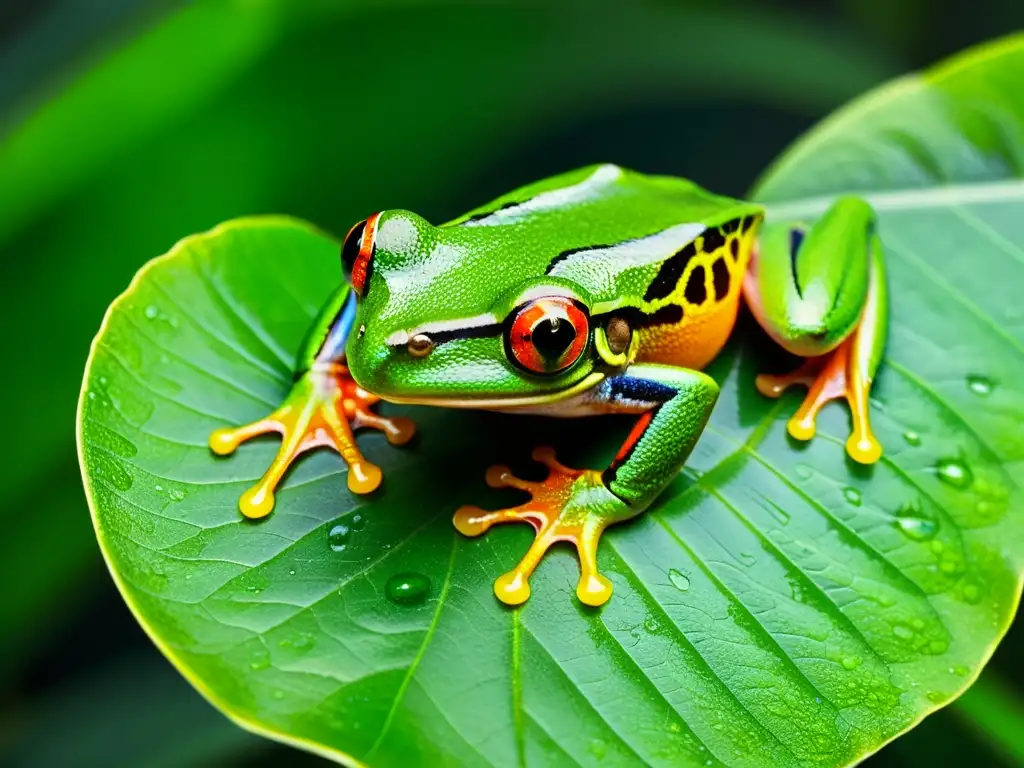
(846, 370)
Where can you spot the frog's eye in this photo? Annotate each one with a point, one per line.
(547, 335)
(357, 253)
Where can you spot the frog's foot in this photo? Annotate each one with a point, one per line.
(828, 378)
(322, 409)
(569, 505)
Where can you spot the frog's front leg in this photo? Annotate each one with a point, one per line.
(820, 292)
(577, 505)
(322, 408)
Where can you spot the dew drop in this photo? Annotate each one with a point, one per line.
(300, 642)
(912, 438)
(291, 571)
(980, 385)
(747, 559)
(915, 524)
(679, 579)
(852, 496)
(971, 593)
(950, 567)
(954, 473)
(357, 522)
(803, 471)
(597, 748)
(338, 537)
(934, 696)
(675, 727)
(407, 588)
(152, 312)
(651, 624)
(262, 661)
(278, 695)
(961, 671)
(903, 632)
(850, 662)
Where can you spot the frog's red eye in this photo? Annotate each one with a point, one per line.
(357, 253)
(548, 334)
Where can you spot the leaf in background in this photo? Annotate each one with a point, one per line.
(778, 604)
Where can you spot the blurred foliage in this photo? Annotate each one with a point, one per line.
(127, 125)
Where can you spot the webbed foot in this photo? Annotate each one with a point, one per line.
(322, 409)
(569, 505)
(828, 378)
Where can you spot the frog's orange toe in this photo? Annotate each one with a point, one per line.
(828, 378)
(512, 588)
(364, 477)
(594, 589)
(256, 502)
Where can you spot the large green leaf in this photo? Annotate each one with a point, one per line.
(778, 605)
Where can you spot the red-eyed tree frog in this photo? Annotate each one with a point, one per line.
(597, 291)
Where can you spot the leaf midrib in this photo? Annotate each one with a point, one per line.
(906, 199)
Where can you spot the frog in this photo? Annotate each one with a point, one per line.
(597, 291)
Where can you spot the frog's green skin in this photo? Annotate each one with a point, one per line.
(642, 276)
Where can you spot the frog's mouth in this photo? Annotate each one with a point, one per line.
(512, 402)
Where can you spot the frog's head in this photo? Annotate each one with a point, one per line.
(462, 316)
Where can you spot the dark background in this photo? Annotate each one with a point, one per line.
(108, 155)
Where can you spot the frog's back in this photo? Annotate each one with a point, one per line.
(661, 251)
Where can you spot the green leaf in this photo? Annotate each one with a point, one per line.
(778, 605)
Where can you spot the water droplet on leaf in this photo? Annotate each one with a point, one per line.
(407, 588)
(852, 496)
(679, 580)
(912, 438)
(915, 524)
(903, 632)
(980, 385)
(338, 537)
(954, 473)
